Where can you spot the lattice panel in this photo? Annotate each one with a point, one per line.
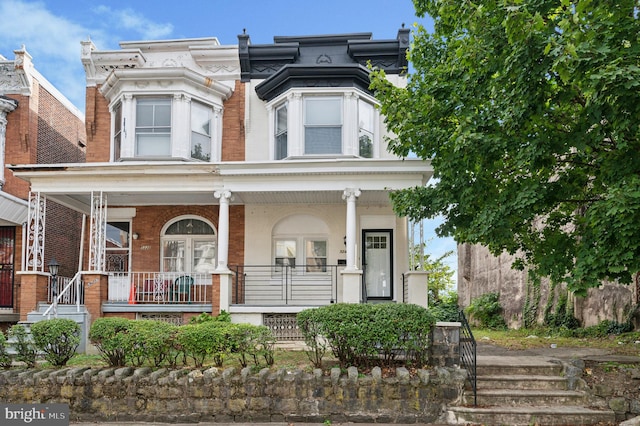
(283, 326)
(175, 319)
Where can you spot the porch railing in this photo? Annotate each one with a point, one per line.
(69, 297)
(274, 285)
(160, 287)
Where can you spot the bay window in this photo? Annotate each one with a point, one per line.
(316, 123)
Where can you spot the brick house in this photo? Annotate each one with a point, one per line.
(247, 178)
(38, 125)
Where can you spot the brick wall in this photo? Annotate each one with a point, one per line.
(98, 126)
(20, 143)
(233, 147)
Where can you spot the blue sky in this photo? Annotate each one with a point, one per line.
(52, 31)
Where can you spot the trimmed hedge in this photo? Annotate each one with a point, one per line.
(57, 338)
(368, 334)
(145, 342)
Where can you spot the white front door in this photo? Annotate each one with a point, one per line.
(377, 263)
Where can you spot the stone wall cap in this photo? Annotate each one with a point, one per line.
(448, 324)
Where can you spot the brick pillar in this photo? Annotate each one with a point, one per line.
(215, 294)
(96, 291)
(33, 289)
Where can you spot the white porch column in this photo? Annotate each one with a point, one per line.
(350, 195)
(6, 106)
(223, 229)
(351, 275)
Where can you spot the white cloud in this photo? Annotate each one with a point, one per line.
(131, 20)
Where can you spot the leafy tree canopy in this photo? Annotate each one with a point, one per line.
(530, 113)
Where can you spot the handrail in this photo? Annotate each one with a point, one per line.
(468, 354)
(54, 304)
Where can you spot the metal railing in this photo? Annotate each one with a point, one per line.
(468, 354)
(71, 291)
(160, 287)
(274, 285)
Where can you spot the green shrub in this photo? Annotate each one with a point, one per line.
(151, 342)
(252, 342)
(25, 348)
(109, 335)
(57, 338)
(310, 327)
(446, 308)
(363, 334)
(206, 339)
(5, 358)
(223, 316)
(486, 312)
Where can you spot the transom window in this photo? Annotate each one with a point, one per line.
(153, 127)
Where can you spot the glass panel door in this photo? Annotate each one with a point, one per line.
(378, 271)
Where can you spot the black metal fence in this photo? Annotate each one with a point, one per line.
(468, 354)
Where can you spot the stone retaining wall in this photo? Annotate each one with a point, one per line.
(215, 395)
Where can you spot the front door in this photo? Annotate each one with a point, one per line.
(7, 250)
(377, 263)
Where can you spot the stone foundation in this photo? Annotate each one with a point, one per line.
(215, 395)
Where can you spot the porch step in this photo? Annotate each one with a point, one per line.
(555, 415)
(525, 391)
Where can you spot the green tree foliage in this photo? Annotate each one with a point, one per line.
(440, 279)
(529, 111)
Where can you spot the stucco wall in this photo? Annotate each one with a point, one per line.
(479, 272)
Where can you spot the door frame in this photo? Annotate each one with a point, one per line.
(8, 269)
(365, 296)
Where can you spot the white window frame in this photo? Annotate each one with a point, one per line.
(154, 128)
(300, 265)
(294, 99)
(181, 132)
(189, 240)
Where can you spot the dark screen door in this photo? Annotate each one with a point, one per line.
(7, 249)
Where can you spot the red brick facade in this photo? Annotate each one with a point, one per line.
(42, 130)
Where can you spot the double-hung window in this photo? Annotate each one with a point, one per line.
(322, 125)
(200, 131)
(366, 116)
(117, 132)
(316, 255)
(281, 131)
(153, 127)
(285, 251)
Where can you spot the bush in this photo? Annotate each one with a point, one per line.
(25, 348)
(109, 335)
(252, 342)
(205, 339)
(152, 342)
(58, 338)
(363, 334)
(5, 358)
(446, 308)
(223, 316)
(311, 329)
(486, 312)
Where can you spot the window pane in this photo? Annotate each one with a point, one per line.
(323, 140)
(281, 119)
(285, 253)
(323, 111)
(365, 116)
(144, 114)
(316, 256)
(173, 256)
(200, 146)
(162, 116)
(281, 133)
(281, 146)
(204, 254)
(153, 144)
(200, 119)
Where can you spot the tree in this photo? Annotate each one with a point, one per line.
(440, 275)
(530, 113)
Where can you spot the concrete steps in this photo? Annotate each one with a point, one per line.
(526, 391)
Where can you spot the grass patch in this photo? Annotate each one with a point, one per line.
(520, 339)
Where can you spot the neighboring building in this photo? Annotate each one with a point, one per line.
(249, 178)
(480, 272)
(38, 125)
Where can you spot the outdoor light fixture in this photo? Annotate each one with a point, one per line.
(135, 236)
(53, 267)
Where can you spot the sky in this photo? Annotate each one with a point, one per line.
(52, 31)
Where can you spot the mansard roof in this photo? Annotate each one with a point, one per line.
(339, 60)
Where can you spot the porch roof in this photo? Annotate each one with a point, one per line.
(137, 183)
(13, 210)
